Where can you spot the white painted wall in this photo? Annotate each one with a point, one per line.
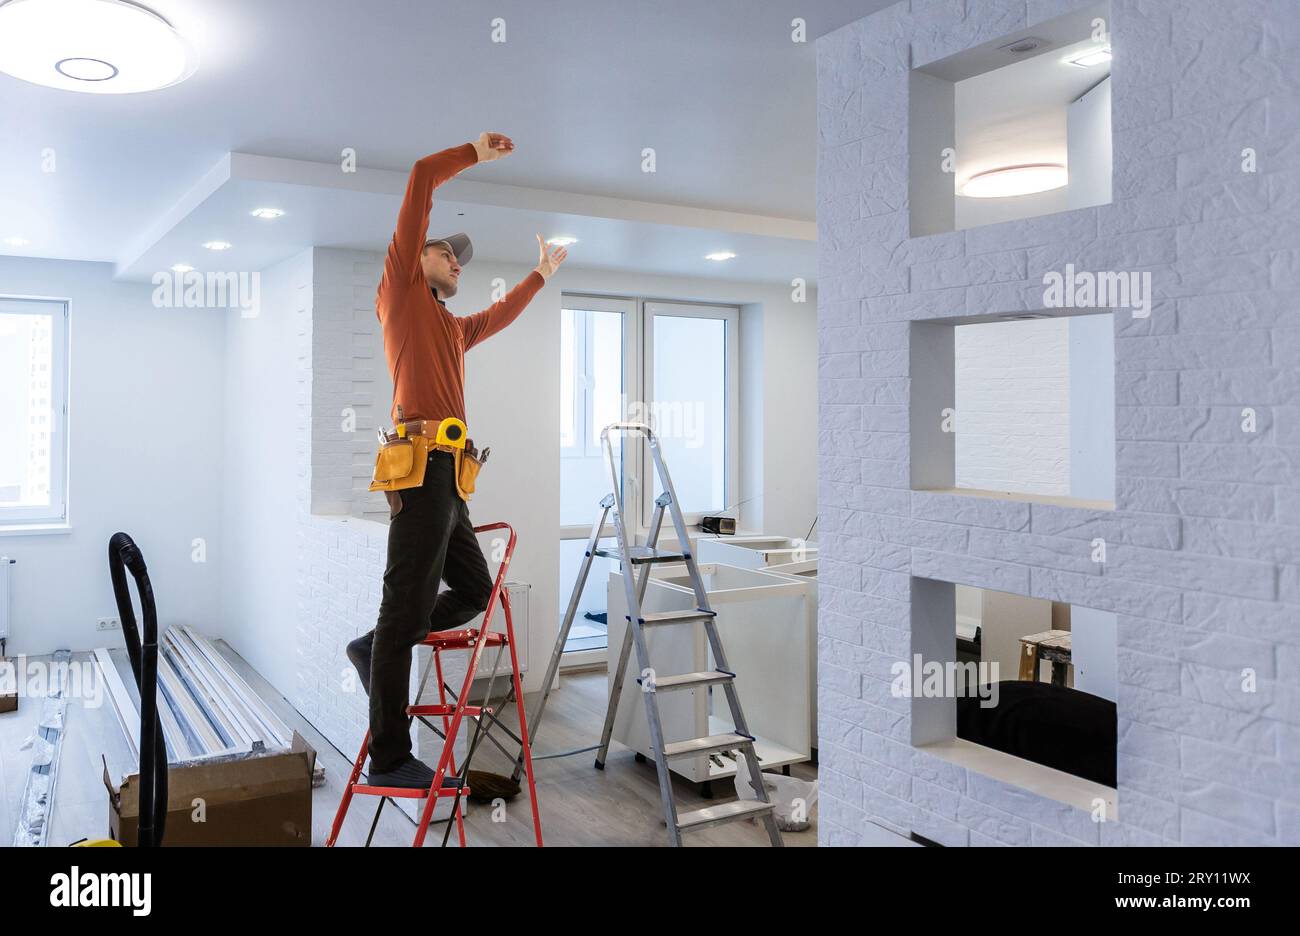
(932, 193)
(1093, 639)
(1089, 138)
(1092, 407)
(145, 407)
(260, 485)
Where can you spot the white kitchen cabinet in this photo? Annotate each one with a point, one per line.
(761, 619)
(781, 555)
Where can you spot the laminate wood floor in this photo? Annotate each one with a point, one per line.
(579, 804)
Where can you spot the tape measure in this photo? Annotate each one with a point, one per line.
(451, 431)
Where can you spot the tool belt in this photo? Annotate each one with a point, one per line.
(404, 454)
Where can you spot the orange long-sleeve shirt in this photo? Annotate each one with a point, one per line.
(424, 343)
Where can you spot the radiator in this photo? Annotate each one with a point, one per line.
(6, 588)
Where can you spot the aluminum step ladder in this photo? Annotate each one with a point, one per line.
(636, 563)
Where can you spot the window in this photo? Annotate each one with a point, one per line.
(670, 364)
(33, 387)
(692, 364)
(597, 360)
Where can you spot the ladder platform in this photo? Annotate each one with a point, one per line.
(473, 711)
(727, 812)
(706, 745)
(690, 680)
(656, 618)
(642, 554)
(461, 639)
(450, 786)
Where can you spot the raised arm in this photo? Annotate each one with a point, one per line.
(483, 325)
(413, 219)
(403, 261)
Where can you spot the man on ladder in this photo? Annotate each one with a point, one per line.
(430, 537)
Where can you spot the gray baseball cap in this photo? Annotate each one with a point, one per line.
(459, 244)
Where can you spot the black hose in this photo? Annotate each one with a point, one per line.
(123, 556)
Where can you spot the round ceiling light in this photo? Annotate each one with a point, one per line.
(1016, 180)
(95, 46)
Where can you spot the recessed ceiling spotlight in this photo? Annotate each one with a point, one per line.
(95, 46)
(16, 242)
(218, 245)
(182, 268)
(1016, 180)
(561, 241)
(720, 255)
(1021, 46)
(267, 213)
(1091, 58)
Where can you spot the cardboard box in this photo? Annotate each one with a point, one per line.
(260, 799)
(8, 686)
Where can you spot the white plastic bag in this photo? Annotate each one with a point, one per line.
(795, 799)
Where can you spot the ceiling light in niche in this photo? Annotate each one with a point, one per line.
(93, 46)
(1010, 181)
(720, 255)
(1090, 58)
(267, 214)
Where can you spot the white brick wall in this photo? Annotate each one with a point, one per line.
(1204, 546)
(342, 548)
(1013, 406)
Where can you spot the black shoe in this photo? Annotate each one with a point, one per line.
(359, 653)
(410, 774)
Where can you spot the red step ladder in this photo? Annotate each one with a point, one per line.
(447, 780)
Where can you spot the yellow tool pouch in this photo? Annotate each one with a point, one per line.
(401, 463)
(404, 456)
(467, 469)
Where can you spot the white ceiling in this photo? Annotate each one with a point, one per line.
(719, 90)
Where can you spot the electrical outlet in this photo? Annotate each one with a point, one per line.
(107, 624)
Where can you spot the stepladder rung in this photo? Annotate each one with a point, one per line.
(727, 812)
(642, 554)
(658, 618)
(705, 745)
(472, 711)
(689, 680)
(449, 787)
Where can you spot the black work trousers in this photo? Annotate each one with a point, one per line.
(430, 539)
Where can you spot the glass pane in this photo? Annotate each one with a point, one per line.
(27, 418)
(590, 626)
(690, 406)
(606, 372)
(597, 386)
(568, 382)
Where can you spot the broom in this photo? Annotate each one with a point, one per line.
(485, 786)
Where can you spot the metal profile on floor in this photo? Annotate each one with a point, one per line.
(36, 808)
(208, 712)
